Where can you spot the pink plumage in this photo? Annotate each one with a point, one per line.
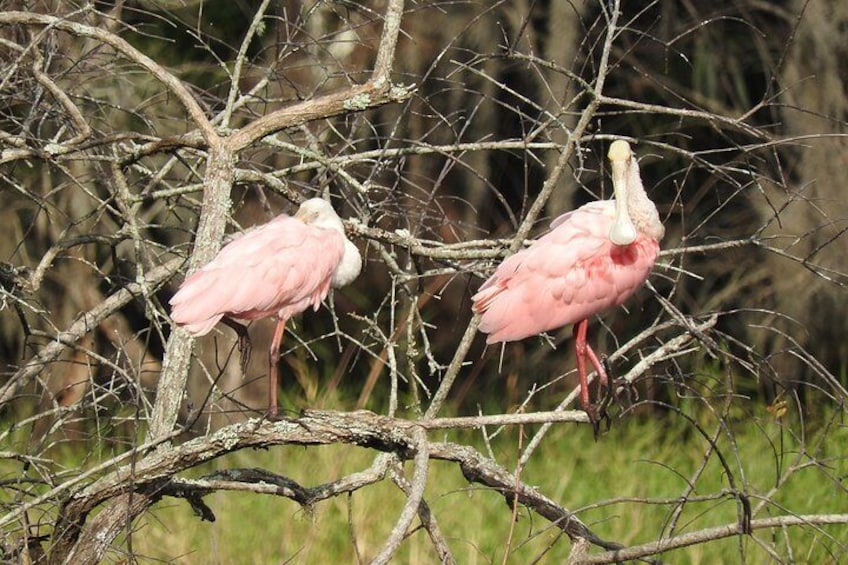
(593, 258)
(259, 274)
(569, 274)
(276, 270)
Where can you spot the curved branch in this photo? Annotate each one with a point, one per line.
(260, 481)
(428, 521)
(149, 475)
(709, 534)
(376, 92)
(354, 99)
(413, 501)
(82, 325)
(166, 78)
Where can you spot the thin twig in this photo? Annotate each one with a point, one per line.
(413, 500)
(709, 534)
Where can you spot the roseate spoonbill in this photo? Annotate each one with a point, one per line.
(593, 258)
(279, 269)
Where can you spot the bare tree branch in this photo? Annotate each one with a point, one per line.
(446, 135)
(84, 324)
(179, 90)
(709, 534)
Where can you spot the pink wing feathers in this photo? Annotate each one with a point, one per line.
(569, 274)
(280, 269)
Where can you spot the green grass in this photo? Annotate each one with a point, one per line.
(637, 460)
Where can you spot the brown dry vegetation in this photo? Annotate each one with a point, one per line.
(135, 134)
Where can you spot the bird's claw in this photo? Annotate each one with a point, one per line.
(273, 414)
(597, 415)
(620, 390)
(245, 348)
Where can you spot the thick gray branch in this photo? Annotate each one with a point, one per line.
(376, 92)
(150, 475)
(210, 233)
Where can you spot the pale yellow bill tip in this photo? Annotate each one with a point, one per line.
(619, 150)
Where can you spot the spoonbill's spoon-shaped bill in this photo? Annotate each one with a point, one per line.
(593, 258)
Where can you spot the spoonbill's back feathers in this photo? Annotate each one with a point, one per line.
(278, 269)
(569, 274)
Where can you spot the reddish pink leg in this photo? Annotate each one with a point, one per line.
(580, 348)
(584, 350)
(599, 368)
(273, 374)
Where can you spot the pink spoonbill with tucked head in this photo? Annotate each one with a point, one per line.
(276, 270)
(593, 258)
